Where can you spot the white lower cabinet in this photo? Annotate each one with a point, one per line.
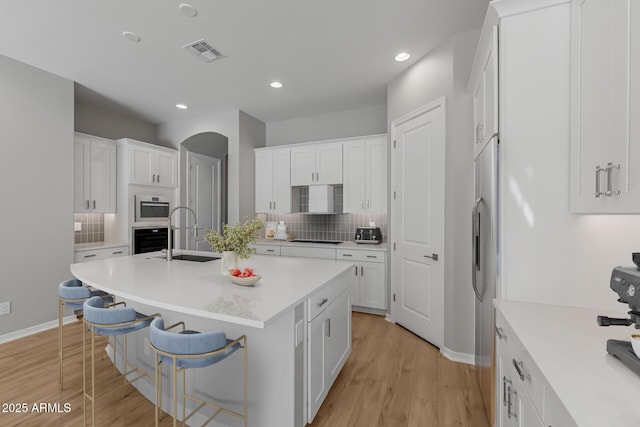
(368, 279)
(524, 398)
(96, 254)
(329, 335)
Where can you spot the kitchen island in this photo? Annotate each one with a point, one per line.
(275, 314)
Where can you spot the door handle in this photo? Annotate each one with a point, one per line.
(434, 257)
(475, 247)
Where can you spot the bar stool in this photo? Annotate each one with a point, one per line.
(109, 320)
(71, 294)
(192, 349)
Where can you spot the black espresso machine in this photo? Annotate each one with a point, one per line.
(625, 281)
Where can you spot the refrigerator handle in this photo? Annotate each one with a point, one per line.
(475, 245)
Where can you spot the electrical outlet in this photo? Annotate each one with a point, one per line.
(299, 332)
(5, 307)
(77, 226)
(147, 348)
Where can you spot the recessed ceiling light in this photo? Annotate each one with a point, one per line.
(131, 36)
(181, 106)
(276, 85)
(188, 10)
(402, 56)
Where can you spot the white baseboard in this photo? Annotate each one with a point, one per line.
(35, 329)
(455, 356)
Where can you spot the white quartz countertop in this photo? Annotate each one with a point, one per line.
(344, 245)
(97, 245)
(198, 288)
(570, 349)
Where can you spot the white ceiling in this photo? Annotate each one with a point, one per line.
(331, 55)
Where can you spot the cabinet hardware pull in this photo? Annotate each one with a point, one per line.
(323, 302)
(500, 333)
(475, 247)
(158, 178)
(90, 256)
(270, 205)
(505, 381)
(361, 270)
(362, 204)
(347, 255)
(153, 177)
(610, 192)
(94, 204)
(356, 270)
(271, 250)
(317, 176)
(368, 204)
(312, 179)
(598, 170)
(274, 205)
(372, 256)
(116, 252)
(520, 369)
(329, 327)
(509, 413)
(87, 204)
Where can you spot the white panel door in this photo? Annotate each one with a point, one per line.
(353, 190)
(103, 179)
(418, 223)
(203, 195)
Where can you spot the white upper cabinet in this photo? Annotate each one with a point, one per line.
(94, 174)
(365, 175)
(152, 165)
(315, 164)
(484, 87)
(273, 180)
(605, 106)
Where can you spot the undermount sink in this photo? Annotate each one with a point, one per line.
(196, 258)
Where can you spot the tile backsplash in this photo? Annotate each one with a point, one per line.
(92, 228)
(329, 227)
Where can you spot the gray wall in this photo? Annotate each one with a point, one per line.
(36, 130)
(252, 135)
(341, 124)
(103, 122)
(444, 73)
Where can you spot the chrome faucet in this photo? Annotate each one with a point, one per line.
(170, 238)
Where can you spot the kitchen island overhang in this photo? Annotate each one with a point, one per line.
(267, 313)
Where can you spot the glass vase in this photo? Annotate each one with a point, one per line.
(229, 262)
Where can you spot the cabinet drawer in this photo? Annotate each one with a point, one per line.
(527, 373)
(307, 252)
(319, 301)
(96, 254)
(268, 250)
(359, 255)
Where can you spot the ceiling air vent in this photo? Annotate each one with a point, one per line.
(203, 50)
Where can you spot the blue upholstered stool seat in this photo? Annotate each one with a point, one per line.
(190, 343)
(72, 294)
(192, 349)
(95, 313)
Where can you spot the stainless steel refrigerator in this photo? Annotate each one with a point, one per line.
(484, 267)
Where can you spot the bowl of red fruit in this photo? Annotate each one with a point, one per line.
(244, 277)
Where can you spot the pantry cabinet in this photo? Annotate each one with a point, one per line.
(151, 164)
(314, 164)
(368, 288)
(94, 174)
(273, 180)
(605, 89)
(484, 89)
(365, 175)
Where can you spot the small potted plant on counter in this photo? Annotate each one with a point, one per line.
(234, 242)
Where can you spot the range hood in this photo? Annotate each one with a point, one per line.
(321, 199)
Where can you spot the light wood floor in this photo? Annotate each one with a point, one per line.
(392, 378)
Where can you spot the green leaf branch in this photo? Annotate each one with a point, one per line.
(235, 238)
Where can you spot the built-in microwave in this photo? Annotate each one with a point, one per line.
(151, 208)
